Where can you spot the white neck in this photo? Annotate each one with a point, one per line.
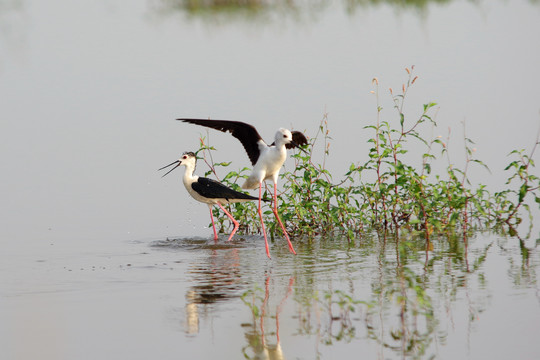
(189, 178)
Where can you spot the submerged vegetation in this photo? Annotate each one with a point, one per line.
(400, 196)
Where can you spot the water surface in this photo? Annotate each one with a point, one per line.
(101, 258)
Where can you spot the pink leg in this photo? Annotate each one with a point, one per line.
(263, 308)
(274, 209)
(213, 225)
(232, 219)
(262, 222)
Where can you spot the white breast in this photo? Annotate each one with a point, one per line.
(267, 167)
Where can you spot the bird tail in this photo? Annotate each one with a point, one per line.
(250, 183)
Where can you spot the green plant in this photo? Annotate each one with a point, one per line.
(400, 196)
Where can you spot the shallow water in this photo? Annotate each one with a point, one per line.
(101, 258)
(192, 297)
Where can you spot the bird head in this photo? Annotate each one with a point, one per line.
(290, 139)
(283, 136)
(188, 159)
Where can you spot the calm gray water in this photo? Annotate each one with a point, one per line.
(89, 92)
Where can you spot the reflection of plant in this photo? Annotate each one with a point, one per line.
(262, 9)
(415, 292)
(416, 325)
(255, 334)
(409, 308)
(344, 304)
(251, 297)
(386, 192)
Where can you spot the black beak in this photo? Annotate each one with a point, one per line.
(171, 164)
(298, 147)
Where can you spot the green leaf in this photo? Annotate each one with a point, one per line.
(522, 192)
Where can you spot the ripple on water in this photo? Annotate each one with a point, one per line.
(200, 243)
(220, 270)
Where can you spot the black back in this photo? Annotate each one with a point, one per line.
(215, 190)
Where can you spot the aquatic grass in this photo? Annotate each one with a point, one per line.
(386, 192)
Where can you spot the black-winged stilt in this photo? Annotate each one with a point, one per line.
(266, 159)
(208, 191)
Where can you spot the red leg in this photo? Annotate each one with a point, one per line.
(274, 209)
(213, 226)
(232, 219)
(262, 222)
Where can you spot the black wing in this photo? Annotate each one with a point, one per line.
(247, 134)
(215, 190)
(298, 138)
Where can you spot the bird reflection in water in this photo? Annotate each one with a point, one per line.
(256, 336)
(218, 279)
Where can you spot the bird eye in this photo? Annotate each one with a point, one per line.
(184, 157)
(284, 135)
